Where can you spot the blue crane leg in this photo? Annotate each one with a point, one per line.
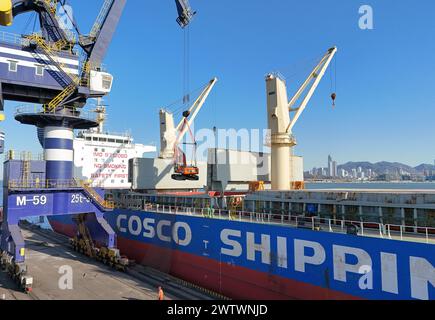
(50, 202)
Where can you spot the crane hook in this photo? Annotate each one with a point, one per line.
(333, 97)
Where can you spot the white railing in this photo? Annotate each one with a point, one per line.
(363, 228)
(36, 109)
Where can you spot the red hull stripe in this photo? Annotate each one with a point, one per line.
(62, 228)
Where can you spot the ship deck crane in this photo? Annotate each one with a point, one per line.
(279, 122)
(171, 136)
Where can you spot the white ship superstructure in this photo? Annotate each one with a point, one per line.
(103, 157)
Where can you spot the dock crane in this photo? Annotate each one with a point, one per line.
(279, 122)
(54, 39)
(62, 92)
(171, 136)
(185, 13)
(69, 91)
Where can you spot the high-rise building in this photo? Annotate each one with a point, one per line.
(354, 173)
(334, 169)
(343, 173)
(330, 169)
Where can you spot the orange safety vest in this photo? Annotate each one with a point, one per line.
(161, 295)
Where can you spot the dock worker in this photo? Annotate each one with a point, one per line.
(161, 294)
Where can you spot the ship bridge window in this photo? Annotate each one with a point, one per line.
(88, 139)
(39, 70)
(111, 140)
(119, 141)
(13, 66)
(102, 140)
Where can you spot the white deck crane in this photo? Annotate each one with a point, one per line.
(279, 121)
(170, 135)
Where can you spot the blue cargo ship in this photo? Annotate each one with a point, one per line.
(247, 255)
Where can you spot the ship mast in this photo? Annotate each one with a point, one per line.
(100, 110)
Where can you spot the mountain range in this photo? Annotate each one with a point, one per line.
(388, 167)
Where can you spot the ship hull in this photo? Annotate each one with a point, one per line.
(244, 260)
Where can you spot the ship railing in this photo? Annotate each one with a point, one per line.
(315, 223)
(23, 156)
(12, 38)
(402, 232)
(43, 184)
(74, 113)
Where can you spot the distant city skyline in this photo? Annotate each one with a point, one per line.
(362, 171)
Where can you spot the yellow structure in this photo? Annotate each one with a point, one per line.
(6, 17)
(256, 186)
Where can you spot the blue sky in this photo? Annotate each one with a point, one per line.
(386, 100)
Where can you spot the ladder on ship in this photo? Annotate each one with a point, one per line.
(99, 200)
(25, 172)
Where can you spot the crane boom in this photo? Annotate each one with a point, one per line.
(170, 136)
(185, 13)
(196, 107)
(317, 74)
(97, 42)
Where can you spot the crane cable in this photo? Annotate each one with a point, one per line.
(179, 152)
(333, 79)
(186, 66)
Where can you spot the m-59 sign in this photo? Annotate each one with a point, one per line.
(35, 200)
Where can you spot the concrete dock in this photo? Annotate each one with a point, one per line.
(48, 255)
